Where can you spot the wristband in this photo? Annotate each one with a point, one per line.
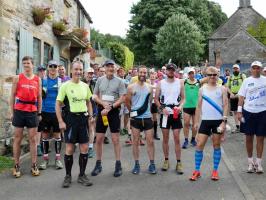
(239, 109)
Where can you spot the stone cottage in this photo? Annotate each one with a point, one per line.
(231, 41)
(20, 36)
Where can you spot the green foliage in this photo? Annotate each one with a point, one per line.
(150, 15)
(259, 31)
(122, 55)
(6, 163)
(59, 25)
(179, 39)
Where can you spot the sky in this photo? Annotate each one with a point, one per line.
(112, 16)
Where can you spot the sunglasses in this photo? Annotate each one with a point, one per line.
(53, 66)
(211, 74)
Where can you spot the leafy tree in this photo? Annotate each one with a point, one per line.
(179, 39)
(150, 15)
(259, 31)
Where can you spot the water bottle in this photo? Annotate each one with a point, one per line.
(105, 120)
(175, 113)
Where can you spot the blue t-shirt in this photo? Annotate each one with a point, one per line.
(198, 76)
(51, 86)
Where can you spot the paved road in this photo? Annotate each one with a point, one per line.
(164, 185)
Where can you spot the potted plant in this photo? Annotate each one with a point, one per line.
(40, 14)
(81, 33)
(59, 27)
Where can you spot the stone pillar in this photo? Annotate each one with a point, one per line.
(244, 3)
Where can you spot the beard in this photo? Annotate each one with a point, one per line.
(142, 78)
(236, 73)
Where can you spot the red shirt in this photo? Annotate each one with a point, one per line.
(27, 93)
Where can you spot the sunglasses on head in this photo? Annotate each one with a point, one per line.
(211, 74)
(52, 66)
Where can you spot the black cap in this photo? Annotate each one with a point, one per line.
(109, 62)
(171, 66)
(41, 67)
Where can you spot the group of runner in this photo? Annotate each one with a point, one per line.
(83, 107)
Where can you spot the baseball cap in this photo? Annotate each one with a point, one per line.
(52, 62)
(181, 72)
(191, 69)
(109, 62)
(171, 66)
(236, 66)
(89, 70)
(163, 67)
(256, 63)
(41, 67)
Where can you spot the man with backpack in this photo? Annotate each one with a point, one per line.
(234, 83)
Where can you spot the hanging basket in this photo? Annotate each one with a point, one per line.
(38, 20)
(57, 32)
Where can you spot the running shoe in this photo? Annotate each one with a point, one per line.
(152, 169)
(195, 176)
(58, 164)
(118, 170)
(179, 168)
(67, 181)
(251, 167)
(84, 180)
(259, 169)
(215, 176)
(141, 142)
(136, 169)
(185, 144)
(129, 141)
(97, 170)
(91, 153)
(44, 164)
(166, 165)
(34, 170)
(16, 171)
(193, 143)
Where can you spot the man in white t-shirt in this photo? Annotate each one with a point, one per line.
(252, 114)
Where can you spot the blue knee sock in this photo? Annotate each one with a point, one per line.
(198, 159)
(216, 158)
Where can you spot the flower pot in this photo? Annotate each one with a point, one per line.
(38, 20)
(57, 32)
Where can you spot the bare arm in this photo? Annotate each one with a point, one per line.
(225, 102)
(182, 95)
(119, 101)
(40, 97)
(58, 106)
(89, 107)
(13, 94)
(198, 109)
(157, 95)
(128, 97)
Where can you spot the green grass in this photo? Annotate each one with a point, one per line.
(6, 163)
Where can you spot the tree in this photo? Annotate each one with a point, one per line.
(179, 39)
(259, 31)
(150, 15)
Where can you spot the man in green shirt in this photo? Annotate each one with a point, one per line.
(191, 86)
(76, 95)
(234, 83)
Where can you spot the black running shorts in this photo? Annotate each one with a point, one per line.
(141, 124)
(209, 127)
(23, 119)
(49, 123)
(113, 121)
(172, 123)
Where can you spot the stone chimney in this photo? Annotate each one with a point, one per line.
(244, 3)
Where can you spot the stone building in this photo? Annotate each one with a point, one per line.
(231, 41)
(20, 36)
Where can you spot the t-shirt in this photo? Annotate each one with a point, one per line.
(113, 88)
(51, 87)
(191, 93)
(254, 91)
(234, 82)
(77, 93)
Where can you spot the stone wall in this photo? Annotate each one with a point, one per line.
(13, 15)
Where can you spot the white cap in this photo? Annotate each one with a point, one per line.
(191, 69)
(264, 69)
(256, 63)
(236, 66)
(89, 70)
(181, 72)
(163, 67)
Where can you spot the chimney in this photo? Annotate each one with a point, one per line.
(244, 3)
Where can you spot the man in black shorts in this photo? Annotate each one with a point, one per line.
(75, 123)
(109, 94)
(138, 101)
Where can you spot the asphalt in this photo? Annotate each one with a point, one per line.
(234, 184)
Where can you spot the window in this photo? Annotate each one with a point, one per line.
(80, 19)
(46, 54)
(37, 51)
